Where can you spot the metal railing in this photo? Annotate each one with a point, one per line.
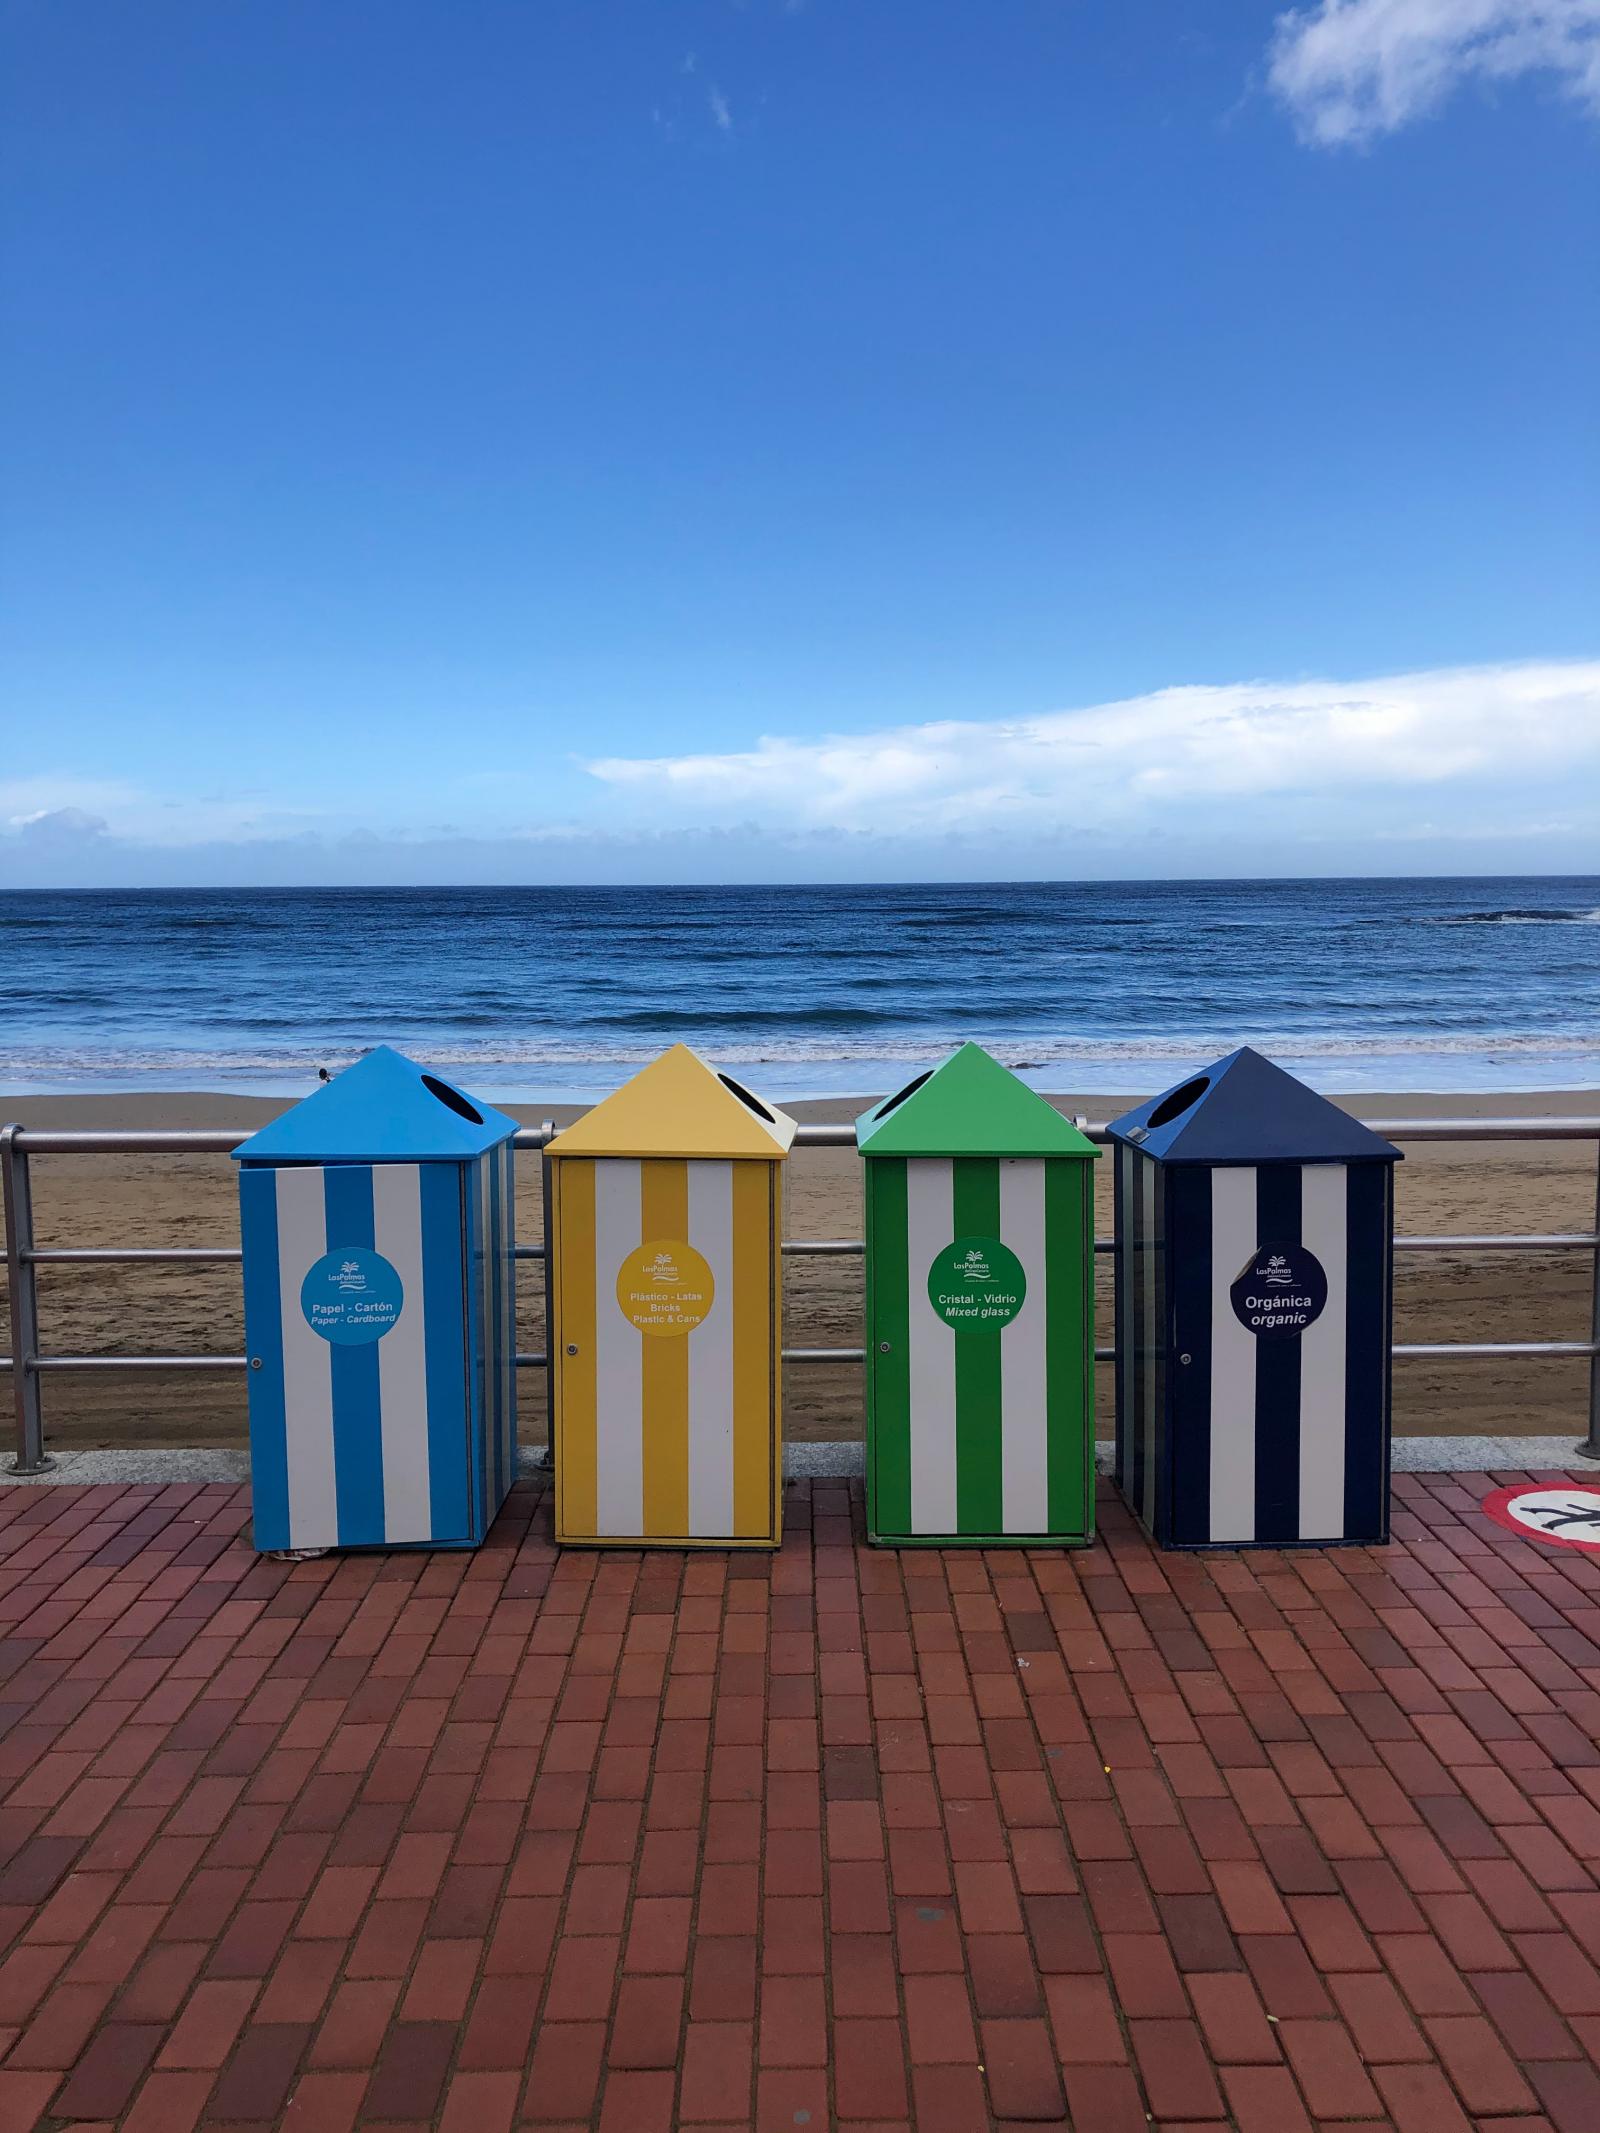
(27, 1365)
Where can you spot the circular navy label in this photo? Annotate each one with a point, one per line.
(1281, 1291)
(351, 1296)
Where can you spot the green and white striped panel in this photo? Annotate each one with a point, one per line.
(980, 1410)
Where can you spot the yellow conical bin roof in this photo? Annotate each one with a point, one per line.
(679, 1106)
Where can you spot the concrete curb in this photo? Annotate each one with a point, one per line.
(810, 1462)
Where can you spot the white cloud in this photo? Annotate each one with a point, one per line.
(60, 826)
(1236, 754)
(25, 801)
(1458, 770)
(721, 111)
(1352, 69)
(72, 807)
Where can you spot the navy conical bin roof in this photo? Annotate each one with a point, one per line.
(1243, 1109)
(384, 1108)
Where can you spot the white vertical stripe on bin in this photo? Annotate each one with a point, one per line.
(1324, 1223)
(1152, 1332)
(1024, 1422)
(307, 1363)
(618, 1356)
(930, 1226)
(1233, 1361)
(711, 1354)
(402, 1357)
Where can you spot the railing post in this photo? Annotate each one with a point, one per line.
(22, 1288)
(1589, 1446)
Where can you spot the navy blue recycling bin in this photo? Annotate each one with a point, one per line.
(378, 1230)
(1254, 1241)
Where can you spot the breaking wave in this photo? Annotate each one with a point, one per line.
(1513, 918)
(449, 1050)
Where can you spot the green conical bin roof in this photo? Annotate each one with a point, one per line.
(971, 1105)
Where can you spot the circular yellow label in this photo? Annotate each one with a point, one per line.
(664, 1287)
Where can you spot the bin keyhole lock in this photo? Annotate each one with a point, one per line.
(572, 1347)
(255, 1362)
(883, 1347)
(1186, 1359)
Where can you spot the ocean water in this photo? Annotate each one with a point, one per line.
(541, 993)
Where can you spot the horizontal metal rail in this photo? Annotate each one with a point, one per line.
(1413, 1349)
(139, 1362)
(222, 1140)
(527, 1361)
(1583, 1240)
(27, 1364)
(135, 1255)
(791, 1248)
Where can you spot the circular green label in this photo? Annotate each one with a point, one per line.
(977, 1283)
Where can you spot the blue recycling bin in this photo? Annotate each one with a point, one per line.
(1254, 1249)
(380, 1313)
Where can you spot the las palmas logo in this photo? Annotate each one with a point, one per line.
(1275, 1274)
(975, 1266)
(349, 1276)
(663, 1268)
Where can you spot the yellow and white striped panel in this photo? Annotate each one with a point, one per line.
(666, 1377)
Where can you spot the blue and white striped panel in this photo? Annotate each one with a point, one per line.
(480, 1299)
(357, 1439)
(491, 1227)
(506, 1346)
(493, 1450)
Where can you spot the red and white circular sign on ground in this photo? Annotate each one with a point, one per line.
(1566, 1517)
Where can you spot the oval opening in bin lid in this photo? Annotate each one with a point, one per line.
(1246, 1110)
(452, 1098)
(383, 1108)
(893, 1103)
(1177, 1101)
(969, 1105)
(753, 1103)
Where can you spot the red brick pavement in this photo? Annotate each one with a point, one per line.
(837, 1838)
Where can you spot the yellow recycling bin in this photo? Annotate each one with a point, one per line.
(665, 1314)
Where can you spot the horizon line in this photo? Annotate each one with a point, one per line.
(949, 881)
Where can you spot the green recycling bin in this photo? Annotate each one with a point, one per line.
(980, 1319)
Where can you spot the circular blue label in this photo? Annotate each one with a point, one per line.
(351, 1296)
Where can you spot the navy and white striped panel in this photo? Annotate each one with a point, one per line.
(1141, 1335)
(1287, 1440)
(1151, 1274)
(360, 1445)
(1125, 1204)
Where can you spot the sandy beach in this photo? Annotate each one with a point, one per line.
(1470, 1188)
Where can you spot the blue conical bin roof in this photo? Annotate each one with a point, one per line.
(1243, 1109)
(384, 1108)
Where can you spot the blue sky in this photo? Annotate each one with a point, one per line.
(618, 439)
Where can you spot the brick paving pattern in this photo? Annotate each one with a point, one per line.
(842, 1837)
